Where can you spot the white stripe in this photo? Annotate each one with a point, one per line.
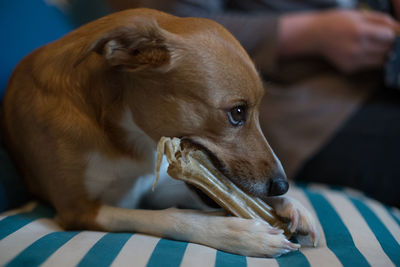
(321, 255)
(25, 208)
(385, 218)
(13, 244)
(363, 237)
(136, 251)
(353, 192)
(198, 256)
(261, 262)
(74, 250)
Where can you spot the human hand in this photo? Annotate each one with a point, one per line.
(354, 40)
(351, 40)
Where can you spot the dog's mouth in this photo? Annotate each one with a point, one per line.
(216, 162)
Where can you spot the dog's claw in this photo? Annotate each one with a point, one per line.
(285, 251)
(292, 246)
(314, 238)
(294, 221)
(288, 247)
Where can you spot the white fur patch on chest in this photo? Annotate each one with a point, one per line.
(110, 179)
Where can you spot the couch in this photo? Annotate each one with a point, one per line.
(355, 230)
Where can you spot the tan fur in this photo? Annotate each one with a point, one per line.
(177, 77)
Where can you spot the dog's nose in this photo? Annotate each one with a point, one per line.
(278, 185)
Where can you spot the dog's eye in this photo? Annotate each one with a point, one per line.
(237, 115)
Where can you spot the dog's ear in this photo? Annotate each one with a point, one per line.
(133, 48)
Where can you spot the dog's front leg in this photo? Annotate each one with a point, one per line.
(301, 220)
(231, 234)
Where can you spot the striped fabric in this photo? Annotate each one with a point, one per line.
(356, 231)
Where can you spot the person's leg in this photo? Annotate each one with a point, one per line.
(365, 153)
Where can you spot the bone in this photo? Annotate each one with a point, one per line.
(192, 165)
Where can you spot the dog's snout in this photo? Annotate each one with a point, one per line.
(278, 184)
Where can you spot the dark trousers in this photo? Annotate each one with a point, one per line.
(365, 153)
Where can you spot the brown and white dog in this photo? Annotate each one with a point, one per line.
(82, 116)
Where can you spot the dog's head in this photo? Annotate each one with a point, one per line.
(190, 78)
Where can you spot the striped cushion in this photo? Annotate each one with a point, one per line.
(356, 231)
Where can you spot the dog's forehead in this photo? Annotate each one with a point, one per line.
(226, 69)
(232, 74)
(233, 71)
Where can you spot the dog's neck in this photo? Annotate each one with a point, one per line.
(105, 99)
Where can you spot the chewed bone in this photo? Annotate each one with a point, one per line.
(192, 165)
(168, 147)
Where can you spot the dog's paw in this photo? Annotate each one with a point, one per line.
(301, 220)
(254, 238)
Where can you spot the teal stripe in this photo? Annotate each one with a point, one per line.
(338, 237)
(39, 251)
(15, 222)
(224, 259)
(105, 250)
(382, 234)
(293, 259)
(167, 253)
